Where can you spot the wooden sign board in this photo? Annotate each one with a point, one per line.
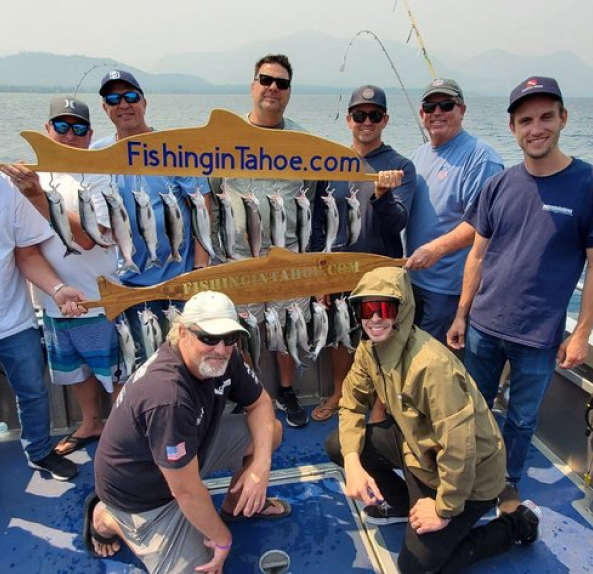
(227, 146)
(278, 276)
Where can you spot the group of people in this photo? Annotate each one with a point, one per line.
(484, 245)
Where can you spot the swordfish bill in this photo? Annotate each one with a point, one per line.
(279, 275)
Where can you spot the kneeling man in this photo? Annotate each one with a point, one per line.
(167, 431)
(439, 431)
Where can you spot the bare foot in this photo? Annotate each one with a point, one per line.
(107, 529)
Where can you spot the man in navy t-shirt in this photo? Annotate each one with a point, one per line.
(534, 233)
(167, 431)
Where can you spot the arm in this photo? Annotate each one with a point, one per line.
(28, 184)
(573, 351)
(38, 271)
(428, 254)
(472, 277)
(253, 483)
(196, 504)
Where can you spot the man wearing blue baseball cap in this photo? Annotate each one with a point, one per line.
(125, 104)
(531, 220)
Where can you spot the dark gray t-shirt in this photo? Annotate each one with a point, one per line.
(164, 417)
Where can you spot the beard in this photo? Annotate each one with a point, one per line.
(208, 370)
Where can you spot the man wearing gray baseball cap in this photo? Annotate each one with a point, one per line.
(168, 431)
(451, 169)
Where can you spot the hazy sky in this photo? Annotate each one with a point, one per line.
(138, 32)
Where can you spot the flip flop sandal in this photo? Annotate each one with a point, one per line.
(286, 510)
(74, 443)
(324, 412)
(88, 530)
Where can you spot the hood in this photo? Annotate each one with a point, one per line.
(390, 282)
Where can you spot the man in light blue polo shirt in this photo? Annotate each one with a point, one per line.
(451, 170)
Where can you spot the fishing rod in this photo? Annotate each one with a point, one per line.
(399, 79)
(418, 38)
(85, 74)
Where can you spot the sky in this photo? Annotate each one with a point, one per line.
(138, 32)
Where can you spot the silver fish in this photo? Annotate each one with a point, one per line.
(88, 217)
(253, 222)
(173, 224)
(249, 321)
(342, 324)
(320, 329)
(59, 220)
(302, 335)
(332, 220)
(147, 226)
(127, 346)
(121, 230)
(354, 217)
(291, 339)
(200, 222)
(274, 334)
(277, 219)
(227, 226)
(152, 336)
(303, 219)
(171, 313)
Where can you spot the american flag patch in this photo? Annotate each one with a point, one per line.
(176, 452)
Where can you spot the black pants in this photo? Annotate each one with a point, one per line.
(449, 550)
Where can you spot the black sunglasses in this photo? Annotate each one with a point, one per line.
(62, 127)
(446, 106)
(360, 117)
(267, 81)
(130, 97)
(212, 340)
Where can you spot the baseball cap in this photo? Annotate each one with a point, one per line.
(443, 86)
(214, 312)
(118, 76)
(368, 95)
(532, 86)
(69, 106)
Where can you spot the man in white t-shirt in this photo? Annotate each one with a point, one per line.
(82, 352)
(22, 229)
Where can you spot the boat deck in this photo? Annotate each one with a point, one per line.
(41, 519)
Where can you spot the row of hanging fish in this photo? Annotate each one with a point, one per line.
(152, 336)
(277, 223)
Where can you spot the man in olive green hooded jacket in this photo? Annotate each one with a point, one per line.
(439, 432)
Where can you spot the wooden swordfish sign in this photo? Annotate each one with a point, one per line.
(227, 146)
(277, 276)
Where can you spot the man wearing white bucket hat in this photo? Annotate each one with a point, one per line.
(168, 431)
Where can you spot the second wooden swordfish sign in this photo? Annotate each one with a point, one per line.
(227, 146)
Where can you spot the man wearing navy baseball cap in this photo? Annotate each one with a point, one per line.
(531, 220)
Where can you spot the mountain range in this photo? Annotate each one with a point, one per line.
(321, 63)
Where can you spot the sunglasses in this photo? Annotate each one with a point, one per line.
(359, 117)
(366, 309)
(446, 106)
(267, 81)
(62, 127)
(212, 340)
(130, 97)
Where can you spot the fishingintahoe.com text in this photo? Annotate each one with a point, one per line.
(241, 157)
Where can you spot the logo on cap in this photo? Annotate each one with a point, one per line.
(69, 104)
(438, 83)
(532, 82)
(114, 75)
(368, 94)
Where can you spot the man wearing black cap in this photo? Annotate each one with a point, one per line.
(82, 352)
(534, 233)
(452, 168)
(384, 207)
(125, 104)
(168, 431)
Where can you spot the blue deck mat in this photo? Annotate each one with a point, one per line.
(41, 521)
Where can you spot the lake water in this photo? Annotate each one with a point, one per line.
(485, 117)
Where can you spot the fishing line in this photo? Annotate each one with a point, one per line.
(391, 63)
(95, 66)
